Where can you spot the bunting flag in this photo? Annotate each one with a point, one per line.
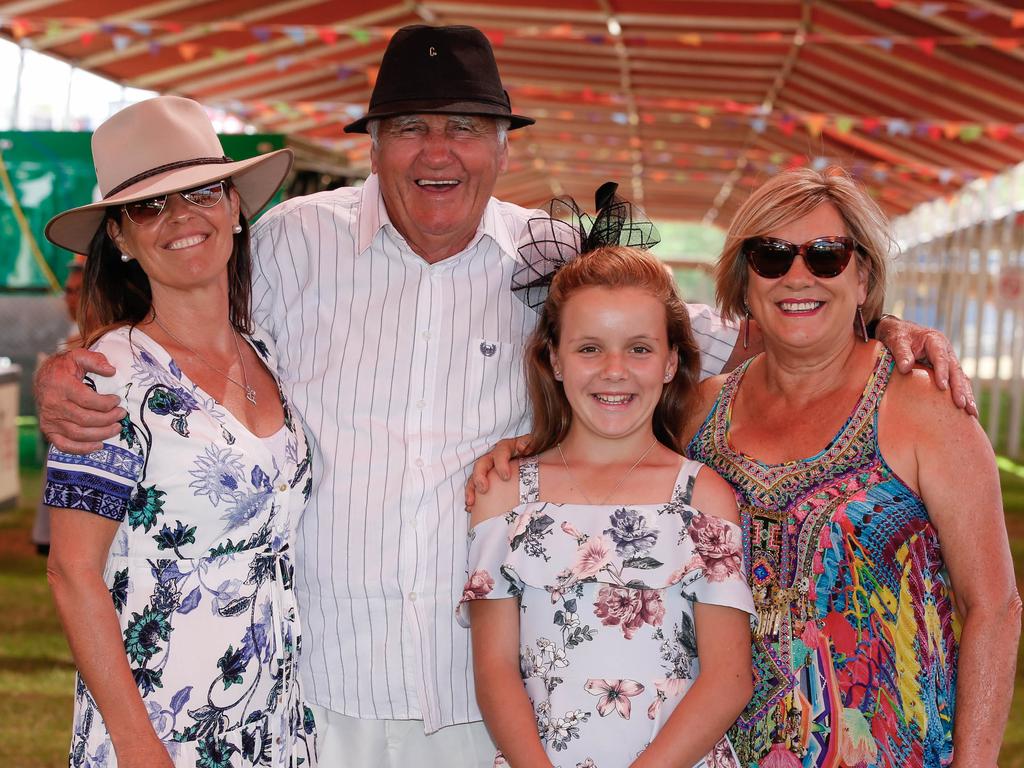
(23, 26)
(701, 114)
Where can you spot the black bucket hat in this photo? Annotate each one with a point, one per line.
(443, 70)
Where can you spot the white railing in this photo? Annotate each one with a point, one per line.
(961, 269)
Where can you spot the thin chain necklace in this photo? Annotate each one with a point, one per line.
(250, 392)
(615, 487)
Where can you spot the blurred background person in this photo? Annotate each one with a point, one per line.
(73, 339)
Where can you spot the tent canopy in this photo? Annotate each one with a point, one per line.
(686, 104)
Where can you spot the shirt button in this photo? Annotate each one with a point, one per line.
(412, 597)
(426, 335)
(282, 487)
(419, 463)
(421, 403)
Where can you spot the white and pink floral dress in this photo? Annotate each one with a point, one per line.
(608, 646)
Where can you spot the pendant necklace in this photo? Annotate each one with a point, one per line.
(250, 392)
(614, 487)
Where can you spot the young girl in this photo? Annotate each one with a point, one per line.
(609, 573)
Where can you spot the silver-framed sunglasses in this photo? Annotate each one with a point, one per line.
(143, 212)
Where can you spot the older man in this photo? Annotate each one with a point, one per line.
(400, 344)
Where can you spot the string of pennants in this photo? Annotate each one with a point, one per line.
(704, 115)
(123, 34)
(870, 173)
(684, 169)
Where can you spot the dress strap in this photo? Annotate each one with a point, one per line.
(682, 492)
(529, 479)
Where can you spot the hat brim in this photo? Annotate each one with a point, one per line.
(256, 180)
(433, 106)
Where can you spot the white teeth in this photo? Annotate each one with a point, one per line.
(800, 306)
(613, 399)
(436, 182)
(186, 242)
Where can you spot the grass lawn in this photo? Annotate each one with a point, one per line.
(37, 674)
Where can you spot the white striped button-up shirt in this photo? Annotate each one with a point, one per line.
(404, 373)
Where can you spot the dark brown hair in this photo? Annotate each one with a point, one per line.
(116, 293)
(610, 267)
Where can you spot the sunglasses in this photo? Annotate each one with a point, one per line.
(144, 212)
(824, 256)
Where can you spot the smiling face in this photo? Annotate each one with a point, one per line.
(437, 173)
(798, 309)
(186, 247)
(614, 359)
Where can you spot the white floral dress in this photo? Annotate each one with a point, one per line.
(199, 570)
(608, 646)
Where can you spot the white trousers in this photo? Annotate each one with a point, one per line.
(349, 742)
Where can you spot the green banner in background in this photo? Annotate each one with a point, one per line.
(51, 172)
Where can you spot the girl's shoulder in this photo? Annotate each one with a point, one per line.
(713, 495)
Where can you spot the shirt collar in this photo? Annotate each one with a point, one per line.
(373, 217)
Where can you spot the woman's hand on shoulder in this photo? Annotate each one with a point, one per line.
(501, 495)
(712, 495)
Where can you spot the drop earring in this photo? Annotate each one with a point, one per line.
(746, 325)
(863, 327)
(237, 229)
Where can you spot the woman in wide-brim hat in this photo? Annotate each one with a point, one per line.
(170, 561)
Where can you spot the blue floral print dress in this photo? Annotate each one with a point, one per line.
(200, 569)
(608, 645)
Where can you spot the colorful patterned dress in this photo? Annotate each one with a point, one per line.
(856, 646)
(607, 638)
(200, 569)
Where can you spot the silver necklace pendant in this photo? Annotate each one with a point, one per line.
(250, 394)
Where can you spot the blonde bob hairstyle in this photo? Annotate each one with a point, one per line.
(789, 196)
(610, 267)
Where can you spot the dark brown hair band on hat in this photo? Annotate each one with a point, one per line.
(166, 167)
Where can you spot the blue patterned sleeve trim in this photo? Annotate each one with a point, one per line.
(101, 482)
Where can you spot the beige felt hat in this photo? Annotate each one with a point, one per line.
(158, 146)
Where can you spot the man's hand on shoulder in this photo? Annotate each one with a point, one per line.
(73, 417)
(910, 342)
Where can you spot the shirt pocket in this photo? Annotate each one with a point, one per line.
(495, 402)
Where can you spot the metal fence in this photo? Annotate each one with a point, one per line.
(961, 269)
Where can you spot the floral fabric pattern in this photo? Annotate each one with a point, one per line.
(200, 571)
(856, 646)
(607, 640)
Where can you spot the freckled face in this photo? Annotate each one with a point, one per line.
(614, 358)
(437, 173)
(800, 309)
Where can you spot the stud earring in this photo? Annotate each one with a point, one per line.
(558, 375)
(237, 229)
(669, 377)
(746, 325)
(125, 257)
